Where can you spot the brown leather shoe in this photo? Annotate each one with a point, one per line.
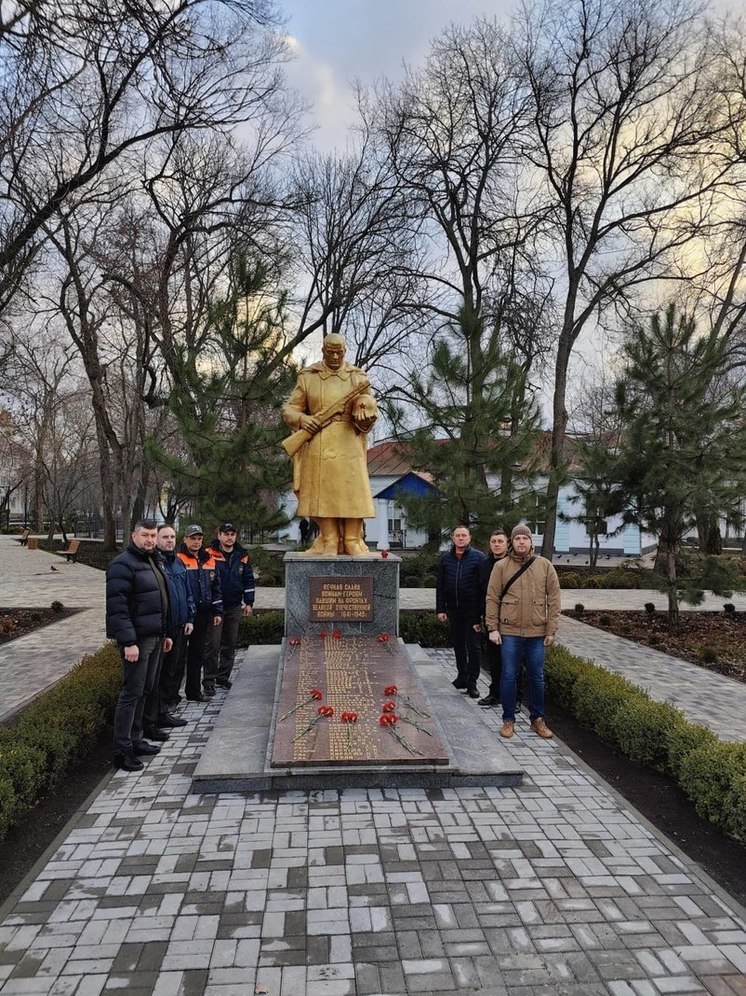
(508, 729)
(541, 729)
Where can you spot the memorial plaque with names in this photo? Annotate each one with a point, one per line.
(341, 599)
(325, 679)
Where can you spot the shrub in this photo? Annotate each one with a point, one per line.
(626, 629)
(562, 669)
(642, 729)
(579, 608)
(424, 628)
(604, 620)
(56, 606)
(650, 608)
(682, 740)
(708, 654)
(595, 581)
(261, 628)
(654, 639)
(599, 696)
(56, 726)
(713, 777)
(570, 579)
(729, 608)
(428, 581)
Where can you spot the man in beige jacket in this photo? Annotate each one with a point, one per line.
(522, 616)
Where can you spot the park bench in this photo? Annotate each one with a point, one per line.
(23, 538)
(72, 551)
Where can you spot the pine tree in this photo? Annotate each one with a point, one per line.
(477, 431)
(683, 450)
(226, 406)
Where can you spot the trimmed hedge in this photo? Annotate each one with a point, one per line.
(711, 772)
(414, 627)
(37, 750)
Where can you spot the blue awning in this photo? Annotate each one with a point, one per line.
(410, 484)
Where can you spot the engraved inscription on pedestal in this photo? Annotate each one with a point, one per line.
(341, 599)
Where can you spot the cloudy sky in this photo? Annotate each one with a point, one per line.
(337, 41)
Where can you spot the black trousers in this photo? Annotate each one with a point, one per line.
(200, 654)
(466, 646)
(224, 642)
(166, 692)
(137, 681)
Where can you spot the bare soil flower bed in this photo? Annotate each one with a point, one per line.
(19, 622)
(713, 640)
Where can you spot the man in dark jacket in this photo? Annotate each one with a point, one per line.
(138, 618)
(165, 694)
(204, 584)
(238, 589)
(457, 599)
(498, 549)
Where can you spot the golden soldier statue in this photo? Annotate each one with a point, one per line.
(331, 410)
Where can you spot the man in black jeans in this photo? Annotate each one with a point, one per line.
(237, 586)
(138, 618)
(457, 599)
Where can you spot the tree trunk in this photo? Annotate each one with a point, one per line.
(557, 458)
(673, 595)
(708, 533)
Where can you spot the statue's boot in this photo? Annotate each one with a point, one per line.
(327, 542)
(353, 538)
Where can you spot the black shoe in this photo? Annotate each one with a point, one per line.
(488, 701)
(168, 721)
(197, 698)
(472, 693)
(127, 762)
(224, 683)
(160, 736)
(459, 683)
(209, 691)
(144, 749)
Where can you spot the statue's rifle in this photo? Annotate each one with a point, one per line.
(301, 436)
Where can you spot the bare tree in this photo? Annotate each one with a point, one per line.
(625, 120)
(83, 86)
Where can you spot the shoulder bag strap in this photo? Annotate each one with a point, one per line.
(515, 577)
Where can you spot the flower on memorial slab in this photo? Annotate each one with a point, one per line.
(389, 707)
(323, 712)
(337, 634)
(294, 641)
(390, 690)
(383, 638)
(314, 695)
(389, 721)
(322, 634)
(349, 717)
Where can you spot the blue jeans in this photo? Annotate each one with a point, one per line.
(514, 650)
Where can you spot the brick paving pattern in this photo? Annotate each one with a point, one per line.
(555, 888)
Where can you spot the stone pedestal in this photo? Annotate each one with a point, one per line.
(358, 596)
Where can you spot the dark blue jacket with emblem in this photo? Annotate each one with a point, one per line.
(236, 575)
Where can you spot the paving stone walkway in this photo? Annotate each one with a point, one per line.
(553, 888)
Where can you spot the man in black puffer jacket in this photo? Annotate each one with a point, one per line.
(458, 599)
(138, 618)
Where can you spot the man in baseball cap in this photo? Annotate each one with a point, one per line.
(237, 585)
(522, 616)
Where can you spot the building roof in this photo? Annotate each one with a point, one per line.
(411, 484)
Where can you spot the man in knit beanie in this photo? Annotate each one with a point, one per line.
(522, 616)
